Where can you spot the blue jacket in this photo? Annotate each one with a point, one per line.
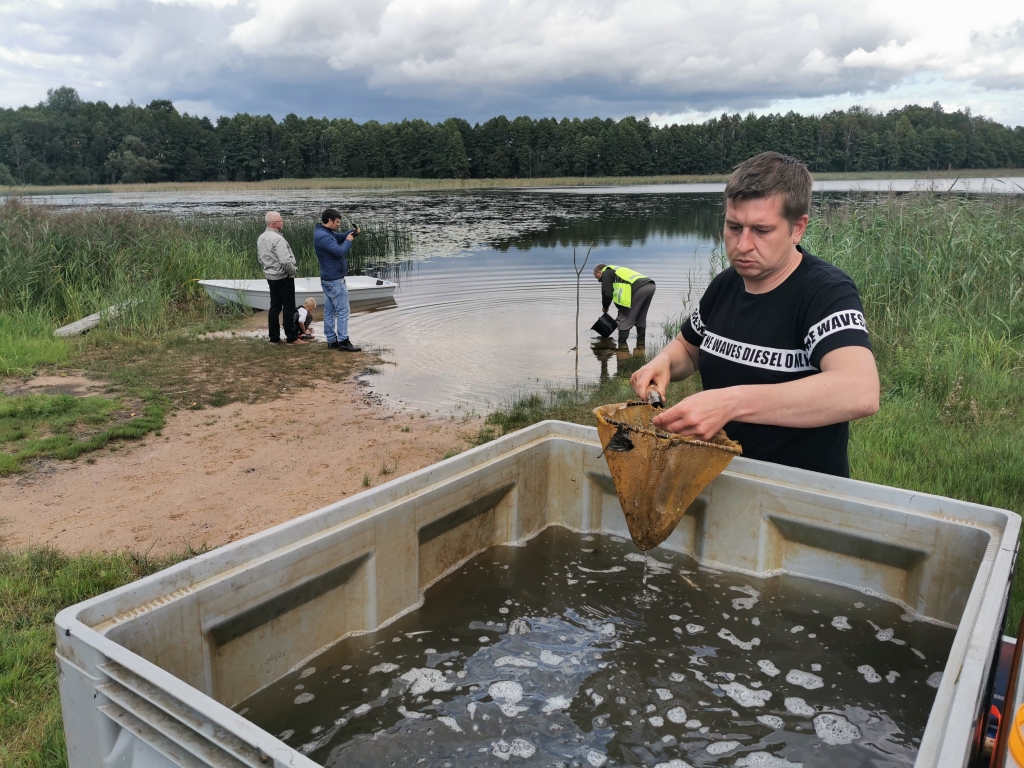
(331, 248)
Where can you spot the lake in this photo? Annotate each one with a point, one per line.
(486, 305)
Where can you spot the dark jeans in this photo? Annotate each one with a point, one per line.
(282, 299)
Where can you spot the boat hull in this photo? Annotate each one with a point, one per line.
(256, 293)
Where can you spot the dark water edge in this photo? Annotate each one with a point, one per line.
(557, 653)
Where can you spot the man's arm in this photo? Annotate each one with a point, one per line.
(284, 255)
(847, 388)
(337, 245)
(677, 361)
(607, 281)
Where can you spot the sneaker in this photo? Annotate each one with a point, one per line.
(348, 346)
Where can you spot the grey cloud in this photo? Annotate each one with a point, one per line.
(388, 59)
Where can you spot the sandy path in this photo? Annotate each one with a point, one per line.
(220, 474)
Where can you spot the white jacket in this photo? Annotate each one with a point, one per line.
(275, 255)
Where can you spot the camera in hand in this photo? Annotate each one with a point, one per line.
(356, 232)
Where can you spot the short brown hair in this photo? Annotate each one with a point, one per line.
(769, 174)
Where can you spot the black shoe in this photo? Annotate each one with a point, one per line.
(641, 337)
(348, 346)
(274, 341)
(623, 336)
(332, 345)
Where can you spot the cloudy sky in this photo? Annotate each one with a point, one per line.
(391, 59)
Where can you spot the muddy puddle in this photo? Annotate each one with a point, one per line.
(557, 653)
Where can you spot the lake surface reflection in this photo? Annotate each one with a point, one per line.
(472, 330)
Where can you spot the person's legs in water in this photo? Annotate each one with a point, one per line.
(277, 297)
(642, 303)
(332, 294)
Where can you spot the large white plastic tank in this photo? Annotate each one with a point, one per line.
(148, 672)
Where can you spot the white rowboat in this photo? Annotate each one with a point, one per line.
(256, 293)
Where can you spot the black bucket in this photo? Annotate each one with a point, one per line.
(605, 325)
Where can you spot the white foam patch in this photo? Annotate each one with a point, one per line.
(676, 677)
(768, 668)
(596, 759)
(934, 679)
(869, 673)
(721, 747)
(663, 693)
(385, 667)
(745, 603)
(425, 680)
(407, 713)
(797, 628)
(303, 698)
(556, 703)
(311, 670)
(694, 629)
(804, 679)
(765, 760)
(674, 617)
(613, 569)
(772, 721)
(726, 634)
(798, 706)
(514, 661)
(597, 698)
(507, 693)
(656, 720)
(552, 659)
(693, 724)
(471, 708)
(815, 667)
(361, 710)
(746, 697)
(450, 722)
(841, 622)
(519, 627)
(677, 763)
(917, 653)
(891, 677)
(676, 715)
(835, 729)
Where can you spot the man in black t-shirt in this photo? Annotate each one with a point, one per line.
(779, 337)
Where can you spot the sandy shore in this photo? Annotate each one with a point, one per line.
(219, 474)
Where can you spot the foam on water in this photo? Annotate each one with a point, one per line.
(804, 679)
(798, 706)
(835, 729)
(721, 747)
(869, 673)
(524, 669)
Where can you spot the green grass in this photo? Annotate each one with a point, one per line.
(36, 426)
(942, 282)
(34, 585)
(26, 344)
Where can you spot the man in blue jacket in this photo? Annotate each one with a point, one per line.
(331, 246)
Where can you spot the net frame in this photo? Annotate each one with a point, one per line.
(657, 474)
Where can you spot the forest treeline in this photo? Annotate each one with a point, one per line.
(64, 140)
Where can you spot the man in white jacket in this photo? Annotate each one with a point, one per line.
(278, 264)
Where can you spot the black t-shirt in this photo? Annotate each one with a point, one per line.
(775, 337)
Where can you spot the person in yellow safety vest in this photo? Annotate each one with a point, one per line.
(631, 293)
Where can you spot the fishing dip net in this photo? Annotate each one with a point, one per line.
(657, 474)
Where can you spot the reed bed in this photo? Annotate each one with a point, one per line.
(425, 185)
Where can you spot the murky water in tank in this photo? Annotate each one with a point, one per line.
(556, 653)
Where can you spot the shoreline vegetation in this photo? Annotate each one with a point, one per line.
(941, 279)
(397, 184)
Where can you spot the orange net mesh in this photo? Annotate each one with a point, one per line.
(657, 474)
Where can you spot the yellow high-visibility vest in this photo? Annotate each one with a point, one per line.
(622, 293)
